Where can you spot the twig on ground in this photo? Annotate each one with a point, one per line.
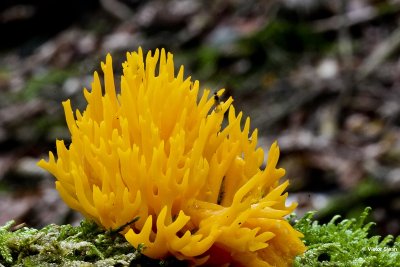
(117, 9)
(380, 53)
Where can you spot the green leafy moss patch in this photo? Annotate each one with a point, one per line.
(345, 243)
(65, 245)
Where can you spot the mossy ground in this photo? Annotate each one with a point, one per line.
(344, 243)
(65, 245)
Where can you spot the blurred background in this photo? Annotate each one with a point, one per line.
(321, 77)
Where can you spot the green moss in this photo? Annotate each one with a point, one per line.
(345, 243)
(84, 245)
(5, 235)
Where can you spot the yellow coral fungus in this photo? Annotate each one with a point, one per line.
(159, 152)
